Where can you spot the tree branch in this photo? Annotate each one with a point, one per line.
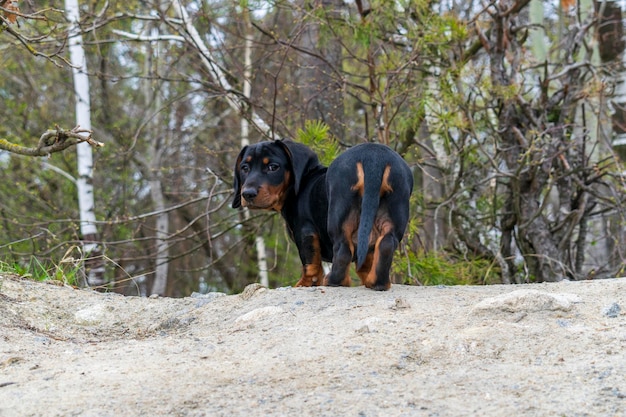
(8, 16)
(143, 38)
(52, 141)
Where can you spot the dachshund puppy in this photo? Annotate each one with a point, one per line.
(356, 210)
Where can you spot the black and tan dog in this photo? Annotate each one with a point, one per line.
(355, 210)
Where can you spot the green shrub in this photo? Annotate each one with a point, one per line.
(68, 270)
(315, 136)
(442, 269)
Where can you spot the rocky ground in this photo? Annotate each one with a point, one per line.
(527, 350)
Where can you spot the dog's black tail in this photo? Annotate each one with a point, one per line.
(369, 207)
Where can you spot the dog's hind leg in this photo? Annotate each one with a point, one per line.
(342, 227)
(364, 271)
(380, 260)
(340, 272)
(383, 257)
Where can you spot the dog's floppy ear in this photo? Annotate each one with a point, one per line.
(237, 184)
(303, 160)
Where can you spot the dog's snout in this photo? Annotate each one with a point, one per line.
(249, 193)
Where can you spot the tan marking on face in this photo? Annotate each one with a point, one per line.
(281, 192)
(249, 158)
(272, 197)
(266, 160)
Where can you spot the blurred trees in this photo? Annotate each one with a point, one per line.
(502, 109)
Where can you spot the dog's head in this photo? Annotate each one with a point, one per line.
(265, 173)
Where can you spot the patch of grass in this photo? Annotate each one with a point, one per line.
(443, 269)
(68, 270)
(5, 268)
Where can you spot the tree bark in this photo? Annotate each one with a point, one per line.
(92, 251)
(158, 145)
(526, 162)
(259, 241)
(611, 45)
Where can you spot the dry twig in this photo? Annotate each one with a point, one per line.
(53, 140)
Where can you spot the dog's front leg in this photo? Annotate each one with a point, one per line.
(311, 257)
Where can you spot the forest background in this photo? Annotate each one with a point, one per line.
(510, 114)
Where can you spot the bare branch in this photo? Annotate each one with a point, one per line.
(5, 25)
(210, 63)
(52, 141)
(143, 38)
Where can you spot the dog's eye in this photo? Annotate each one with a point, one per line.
(245, 169)
(273, 167)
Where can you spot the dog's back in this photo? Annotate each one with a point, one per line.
(368, 187)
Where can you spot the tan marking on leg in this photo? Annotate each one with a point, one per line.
(313, 273)
(349, 232)
(385, 229)
(349, 229)
(365, 269)
(347, 281)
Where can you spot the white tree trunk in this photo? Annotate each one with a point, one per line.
(86, 204)
(159, 285)
(245, 140)
(157, 147)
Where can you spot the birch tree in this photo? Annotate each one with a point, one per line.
(156, 151)
(92, 250)
(259, 242)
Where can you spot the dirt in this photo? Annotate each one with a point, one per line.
(528, 350)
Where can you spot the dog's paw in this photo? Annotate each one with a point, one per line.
(310, 282)
(380, 287)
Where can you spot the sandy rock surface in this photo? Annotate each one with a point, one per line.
(527, 350)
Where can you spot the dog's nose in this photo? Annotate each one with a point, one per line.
(249, 193)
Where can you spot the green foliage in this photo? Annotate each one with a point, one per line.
(441, 269)
(315, 136)
(5, 268)
(68, 270)
(415, 74)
